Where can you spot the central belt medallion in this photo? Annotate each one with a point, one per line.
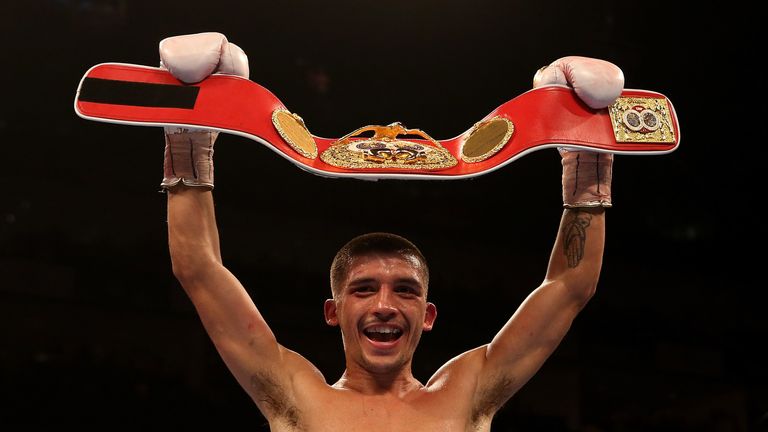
(388, 148)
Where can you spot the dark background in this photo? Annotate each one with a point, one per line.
(94, 329)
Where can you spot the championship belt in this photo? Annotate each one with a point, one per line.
(639, 122)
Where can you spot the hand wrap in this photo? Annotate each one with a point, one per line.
(586, 178)
(188, 157)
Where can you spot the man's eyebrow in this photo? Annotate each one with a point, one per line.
(361, 281)
(411, 283)
(408, 280)
(365, 280)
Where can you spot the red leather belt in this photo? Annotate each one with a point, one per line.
(639, 122)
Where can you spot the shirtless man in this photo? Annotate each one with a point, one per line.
(379, 285)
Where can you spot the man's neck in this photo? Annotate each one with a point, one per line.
(396, 383)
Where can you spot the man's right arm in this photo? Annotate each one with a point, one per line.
(229, 315)
(234, 324)
(241, 335)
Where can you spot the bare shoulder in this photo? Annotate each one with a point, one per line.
(465, 376)
(299, 365)
(461, 370)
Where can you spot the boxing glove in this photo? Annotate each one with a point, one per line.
(188, 157)
(586, 175)
(191, 58)
(596, 82)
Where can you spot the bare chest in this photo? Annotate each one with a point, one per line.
(427, 413)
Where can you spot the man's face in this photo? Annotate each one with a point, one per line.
(382, 309)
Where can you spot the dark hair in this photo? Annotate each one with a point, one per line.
(374, 243)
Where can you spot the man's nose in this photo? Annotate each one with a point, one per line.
(384, 309)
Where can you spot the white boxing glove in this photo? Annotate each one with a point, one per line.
(586, 175)
(192, 58)
(597, 82)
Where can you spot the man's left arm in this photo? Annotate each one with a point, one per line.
(535, 330)
(543, 319)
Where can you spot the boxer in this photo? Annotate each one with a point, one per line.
(379, 285)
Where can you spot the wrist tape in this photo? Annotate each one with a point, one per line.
(188, 157)
(586, 178)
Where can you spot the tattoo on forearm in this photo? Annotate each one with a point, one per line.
(575, 236)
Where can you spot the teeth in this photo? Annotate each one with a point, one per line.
(383, 329)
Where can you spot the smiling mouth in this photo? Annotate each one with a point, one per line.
(383, 334)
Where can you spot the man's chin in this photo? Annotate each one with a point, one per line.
(384, 362)
(380, 365)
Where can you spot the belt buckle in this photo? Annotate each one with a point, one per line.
(637, 119)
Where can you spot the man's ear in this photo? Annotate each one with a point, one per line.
(330, 312)
(430, 316)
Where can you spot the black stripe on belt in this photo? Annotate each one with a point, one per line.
(138, 94)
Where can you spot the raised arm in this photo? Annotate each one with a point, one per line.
(542, 320)
(234, 324)
(534, 331)
(241, 335)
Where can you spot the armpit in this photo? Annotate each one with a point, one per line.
(491, 398)
(270, 395)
